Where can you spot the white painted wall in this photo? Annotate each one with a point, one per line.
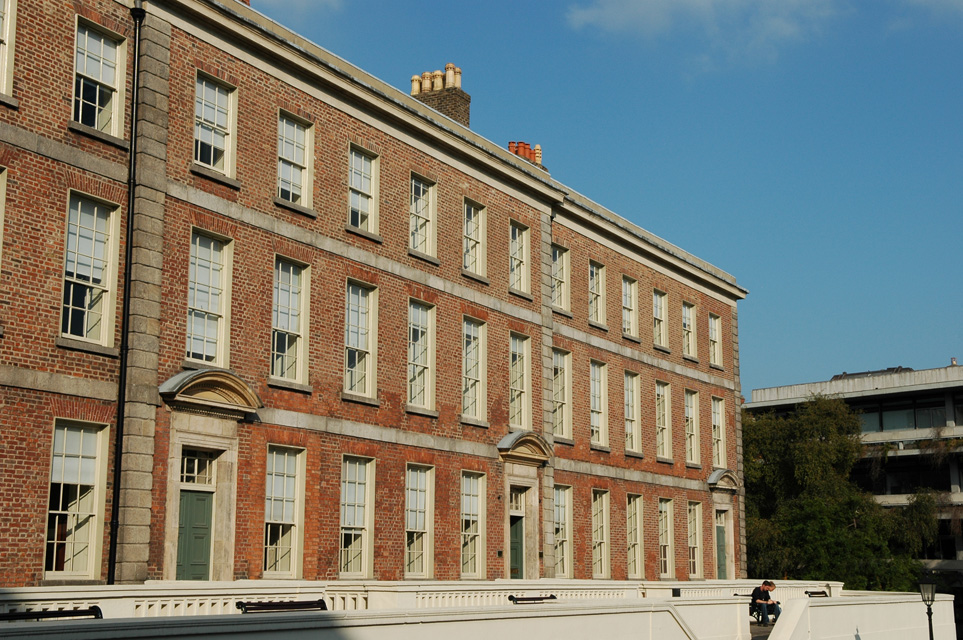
(857, 617)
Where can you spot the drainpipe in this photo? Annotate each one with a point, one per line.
(137, 12)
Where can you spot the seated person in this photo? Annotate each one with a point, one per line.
(762, 599)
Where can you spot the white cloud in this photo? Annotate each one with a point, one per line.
(733, 28)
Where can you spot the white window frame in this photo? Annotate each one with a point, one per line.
(563, 531)
(694, 531)
(561, 283)
(659, 300)
(519, 381)
(225, 127)
(561, 393)
(288, 150)
(693, 453)
(92, 509)
(422, 214)
(361, 528)
(8, 34)
(630, 306)
(518, 257)
(361, 337)
(666, 539)
(635, 551)
(419, 516)
(598, 403)
(85, 256)
(421, 354)
(596, 292)
(474, 234)
(715, 343)
(363, 188)
(473, 525)
(663, 420)
(289, 318)
(690, 348)
(633, 408)
(284, 508)
(221, 313)
(109, 119)
(474, 395)
(718, 432)
(601, 565)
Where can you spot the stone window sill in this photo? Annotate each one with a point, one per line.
(291, 206)
(562, 312)
(421, 411)
(291, 385)
(424, 256)
(197, 364)
(90, 132)
(216, 176)
(9, 101)
(475, 276)
(520, 293)
(475, 422)
(358, 231)
(598, 325)
(359, 399)
(89, 347)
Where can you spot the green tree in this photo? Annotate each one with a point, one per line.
(806, 519)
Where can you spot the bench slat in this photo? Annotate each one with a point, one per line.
(271, 607)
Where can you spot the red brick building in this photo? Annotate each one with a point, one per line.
(284, 321)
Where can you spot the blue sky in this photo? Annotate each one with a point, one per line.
(811, 148)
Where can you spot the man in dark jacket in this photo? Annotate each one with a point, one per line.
(761, 598)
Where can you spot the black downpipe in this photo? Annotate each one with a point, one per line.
(137, 12)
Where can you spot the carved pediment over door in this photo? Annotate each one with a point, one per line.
(211, 392)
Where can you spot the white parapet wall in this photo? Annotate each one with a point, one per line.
(865, 615)
(187, 598)
(858, 617)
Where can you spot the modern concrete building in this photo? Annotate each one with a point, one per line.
(912, 429)
(265, 316)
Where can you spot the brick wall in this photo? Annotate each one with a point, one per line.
(41, 380)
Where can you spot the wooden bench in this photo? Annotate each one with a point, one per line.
(92, 612)
(817, 594)
(531, 599)
(273, 607)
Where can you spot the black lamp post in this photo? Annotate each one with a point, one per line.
(928, 593)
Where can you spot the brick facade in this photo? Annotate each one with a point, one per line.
(54, 383)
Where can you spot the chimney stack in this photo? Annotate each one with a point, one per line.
(525, 150)
(441, 90)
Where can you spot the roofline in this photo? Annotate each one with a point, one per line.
(287, 47)
(868, 386)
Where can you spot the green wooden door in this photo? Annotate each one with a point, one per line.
(721, 551)
(516, 547)
(194, 536)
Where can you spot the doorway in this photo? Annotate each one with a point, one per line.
(516, 548)
(516, 533)
(194, 536)
(722, 544)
